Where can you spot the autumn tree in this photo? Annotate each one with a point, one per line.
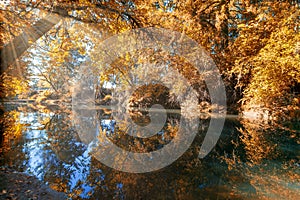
(241, 37)
(25, 22)
(266, 60)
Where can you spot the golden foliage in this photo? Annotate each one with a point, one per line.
(12, 86)
(12, 129)
(267, 62)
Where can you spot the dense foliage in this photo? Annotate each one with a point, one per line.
(255, 44)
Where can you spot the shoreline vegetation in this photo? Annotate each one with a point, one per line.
(255, 112)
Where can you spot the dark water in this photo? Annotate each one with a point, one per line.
(252, 160)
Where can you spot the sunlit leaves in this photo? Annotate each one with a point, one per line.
(13, 129)
(256, 39)
(266, 59)
(12, 86)
(275, 68)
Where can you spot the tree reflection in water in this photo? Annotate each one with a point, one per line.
(251, 159)
(267, 158)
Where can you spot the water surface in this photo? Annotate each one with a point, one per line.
(252, 160)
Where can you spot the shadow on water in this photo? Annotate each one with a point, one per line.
(251, 160)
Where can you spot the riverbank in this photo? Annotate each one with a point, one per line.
(17, 185)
